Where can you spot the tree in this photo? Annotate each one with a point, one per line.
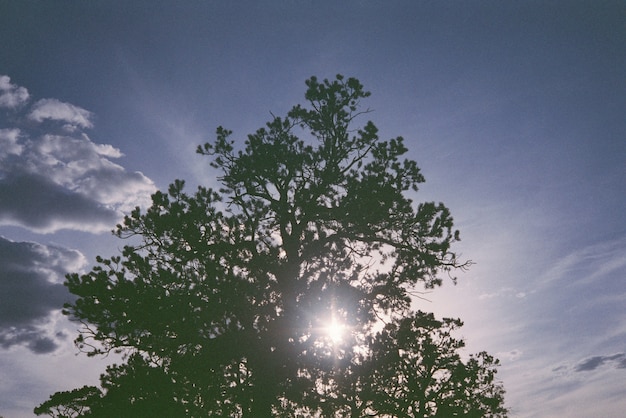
(228, 297)
(69, 404)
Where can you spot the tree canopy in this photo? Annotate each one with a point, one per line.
(288, 290)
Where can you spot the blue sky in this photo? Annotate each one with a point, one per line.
(513, 110)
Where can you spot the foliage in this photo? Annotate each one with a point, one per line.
(69, 404)
(222, 306)
(135, 389)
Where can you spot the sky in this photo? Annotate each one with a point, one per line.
(513, 110)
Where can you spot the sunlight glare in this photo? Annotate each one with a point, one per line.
(335, 330)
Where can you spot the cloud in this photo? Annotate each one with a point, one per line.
(503, 292)
(36, 202)
(588, 364)
(617, 361)
(31, 290)
(11, 96)
(52, 180)
(56, 110)
(512, 355)
(591, 263)
(8, 142)
(35, 338)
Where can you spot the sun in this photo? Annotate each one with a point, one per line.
(335, 331)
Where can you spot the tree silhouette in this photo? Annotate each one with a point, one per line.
(225, 300)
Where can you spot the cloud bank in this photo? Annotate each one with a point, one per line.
(31, 289)
(53, 176)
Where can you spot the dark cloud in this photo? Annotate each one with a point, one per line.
(617, 361)
(31, 289)
(52, 176)
(33, 338)
(44, 206)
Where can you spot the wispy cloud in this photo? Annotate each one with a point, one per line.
(55, 179)
(31, 288)
(589, 263)
(503, 292)
(512, 355)
(11, 96)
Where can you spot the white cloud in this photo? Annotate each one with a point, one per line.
(54, 109)
(63, 182)
(51, 181)
(11, 96)
(107, 150)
